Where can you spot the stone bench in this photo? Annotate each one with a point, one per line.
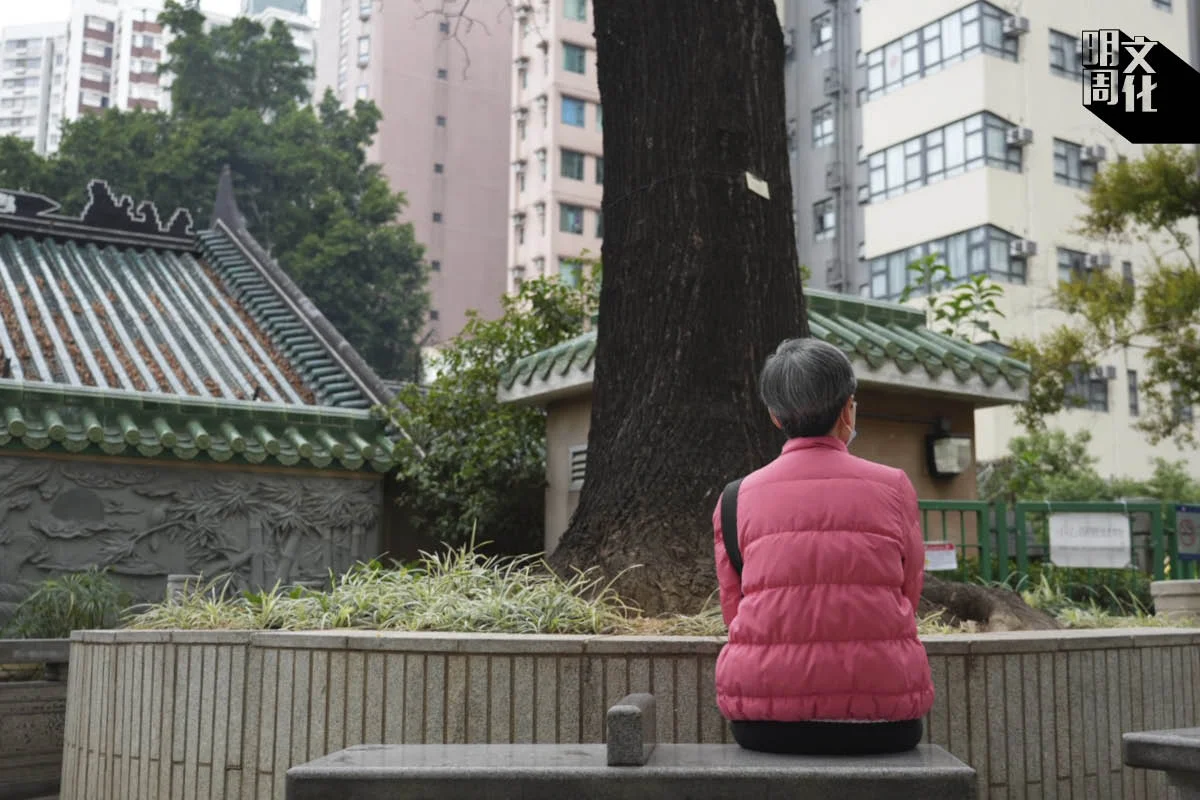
(1176, 752)
(630, 766)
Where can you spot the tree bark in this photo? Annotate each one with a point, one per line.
(990, 608)
(701, 283)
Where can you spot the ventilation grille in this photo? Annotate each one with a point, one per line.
(577, 467)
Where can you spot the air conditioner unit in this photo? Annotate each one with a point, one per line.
(364, 12)
(1104, 373)
(518, 217)
(1097, 261)
(858, 5)
(1093, 154)
(860, 60)
(864, 195)
(1015, 26)
(833, 176)
(522, 61)
(519, 165)
(522, 112)
(832, 81)
(542, 102)
(833, 270)
(862, 250)
(1018, 136)
(789, 42)
(1022, 248)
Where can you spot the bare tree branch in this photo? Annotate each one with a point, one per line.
(462, 21)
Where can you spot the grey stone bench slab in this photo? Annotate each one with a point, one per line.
(631, 765)
(1176, 752)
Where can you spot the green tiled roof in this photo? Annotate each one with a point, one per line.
(94, 421)
(308, 356)
(872, 333)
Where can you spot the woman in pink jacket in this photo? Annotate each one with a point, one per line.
(823, 655)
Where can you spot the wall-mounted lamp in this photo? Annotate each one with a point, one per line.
(948, 454)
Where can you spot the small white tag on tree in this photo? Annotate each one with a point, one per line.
(758, 186)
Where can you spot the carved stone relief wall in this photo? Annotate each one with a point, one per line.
(145, 522)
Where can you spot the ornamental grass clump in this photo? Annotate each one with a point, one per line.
(456, 591)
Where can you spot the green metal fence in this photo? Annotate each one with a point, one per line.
(996, 547)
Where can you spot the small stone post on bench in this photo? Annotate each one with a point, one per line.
(631, 731)
(1176, 752)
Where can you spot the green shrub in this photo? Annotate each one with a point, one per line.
(77, 601)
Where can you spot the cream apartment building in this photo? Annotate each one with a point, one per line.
(32, 77)
(984, 157)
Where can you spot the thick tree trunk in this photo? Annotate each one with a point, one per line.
(701, 282)
(990, 608)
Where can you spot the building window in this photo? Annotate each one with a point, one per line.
(822, 32)
(569, 271)
(437, 216)
(1127, 273)
(600, 224)
(600, 170)
(364, 50)
(824, 219)
(521, 182)
(435, 265)
(362, 92)
(599, 117)
(1183, 411)
(976, 141)
(575, 10)
(570, 218)
(1132, 384)
(433, 315)
(523, 77)
(1164, 5)
(1088, 389)
(441, 121)
(822, 126)
(439, 168)
(443, 75)
(443, 27)
(1065, 58)
(978, 28)
(521, 129)
(539, 266)
(574, 58)
(571, 164)
(1070, 168)
(573, 111)
(979, 251)
(1072, 264)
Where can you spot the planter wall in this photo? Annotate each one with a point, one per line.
(1178, 600)
(223, 715)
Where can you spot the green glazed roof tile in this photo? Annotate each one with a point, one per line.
(870, 332)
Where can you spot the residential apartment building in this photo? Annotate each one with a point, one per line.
(957, 128)
(114, 49)
(32, 77)
(442, 82)
(252, 7)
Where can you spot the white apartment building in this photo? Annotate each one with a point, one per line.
(957, 128)
(32, 77)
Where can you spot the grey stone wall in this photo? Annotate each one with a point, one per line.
(145, 521)
(160, 714)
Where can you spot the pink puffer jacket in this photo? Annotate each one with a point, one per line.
(833, 566)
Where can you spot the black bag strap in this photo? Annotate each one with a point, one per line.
(729, 529)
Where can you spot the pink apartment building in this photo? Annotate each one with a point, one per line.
(557, 158)
(443, 85)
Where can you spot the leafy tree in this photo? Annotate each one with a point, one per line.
(1052, 465)
(485, 463)
(1149, 200)
(300, 174)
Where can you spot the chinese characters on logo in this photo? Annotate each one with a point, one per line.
(1107, 80)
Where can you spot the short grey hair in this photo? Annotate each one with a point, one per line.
(805, 384)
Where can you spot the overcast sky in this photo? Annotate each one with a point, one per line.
(21, 12)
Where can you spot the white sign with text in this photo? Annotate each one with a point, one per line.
(1187, 518)
(940, 557)
(1080, 539)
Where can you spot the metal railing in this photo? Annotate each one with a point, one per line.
(998, 542)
